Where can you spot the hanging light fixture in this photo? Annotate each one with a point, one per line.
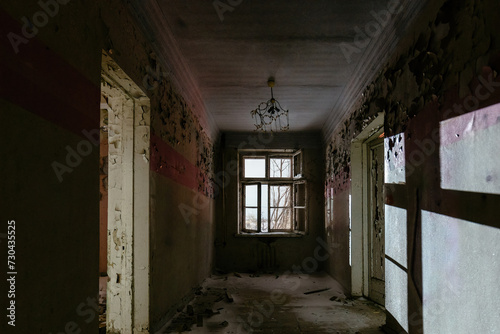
(269, 115)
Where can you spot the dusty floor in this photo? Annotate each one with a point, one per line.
(275, 304)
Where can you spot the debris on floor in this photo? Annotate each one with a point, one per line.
(102, 314)
(200, 308)
(264, 303)
(103, 280)
(229, 297)
(341, 299)
(316, 291)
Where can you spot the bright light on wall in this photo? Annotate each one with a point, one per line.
(460, 269)
(394, 168)
(396, 278)
(469, 151)
(396, 293)
(395, 234)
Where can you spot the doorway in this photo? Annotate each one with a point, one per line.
(125, 111)
(367, 213)
(375, 208)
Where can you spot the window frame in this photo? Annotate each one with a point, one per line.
(293, 181)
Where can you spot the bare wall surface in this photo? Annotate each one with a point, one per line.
(56, 248)
(49, 110)
(181, 245)
(337, 232)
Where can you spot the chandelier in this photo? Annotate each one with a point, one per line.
(270, 115)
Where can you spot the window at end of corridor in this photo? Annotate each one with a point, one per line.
(272, 193)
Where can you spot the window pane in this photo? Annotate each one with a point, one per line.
(264, 221)
(281, 167)
(251, 219)
(251, 195)
(300, 194)
(255, 167)
(300, 220)
(281, 219)
(297, 165)
(280, 196)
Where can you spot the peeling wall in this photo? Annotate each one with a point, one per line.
(446, 66)
(176, 125)
(50, 90)
(182, 204)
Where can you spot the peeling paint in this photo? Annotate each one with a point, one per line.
(438, 61)
(176, 124)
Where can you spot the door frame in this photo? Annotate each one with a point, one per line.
(128, 295)
(360, 207)
(374, 142)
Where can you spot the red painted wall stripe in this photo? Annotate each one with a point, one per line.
(40, 81)
(168, 162)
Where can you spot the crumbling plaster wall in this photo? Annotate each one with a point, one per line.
(50, 95)
(443, 52)
(452, 49)
(182, 203)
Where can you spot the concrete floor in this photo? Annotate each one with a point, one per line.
(276, 304)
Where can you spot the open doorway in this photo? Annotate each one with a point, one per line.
(125, 144)
(375, 218)
(367, 213)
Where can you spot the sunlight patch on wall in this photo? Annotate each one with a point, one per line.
(395, 234)
(469, 151)
(460, 267)
(394, 168)
(396, 293)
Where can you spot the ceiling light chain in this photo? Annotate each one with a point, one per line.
(270, 115)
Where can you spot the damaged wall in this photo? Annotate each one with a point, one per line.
(446, 67)
(182, 203)
(266, 254)
(49, 110)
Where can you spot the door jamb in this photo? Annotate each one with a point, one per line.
(360, 205)
(128, 294)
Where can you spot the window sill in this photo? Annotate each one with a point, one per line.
(270, 235)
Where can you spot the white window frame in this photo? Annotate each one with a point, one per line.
(295, 181)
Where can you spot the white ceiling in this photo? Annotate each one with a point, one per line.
(226, 63)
